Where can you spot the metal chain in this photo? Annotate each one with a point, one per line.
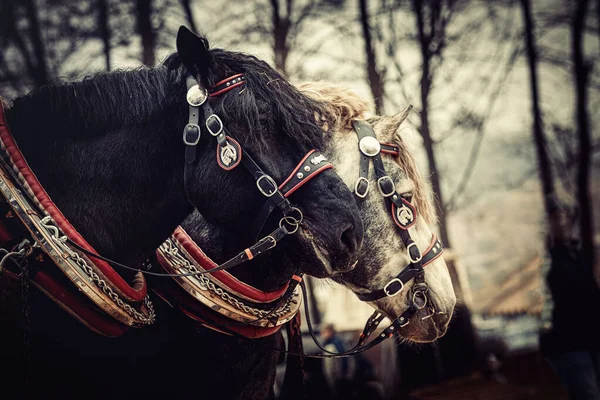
(180, 261)
(47, 223)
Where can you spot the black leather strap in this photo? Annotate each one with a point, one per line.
(396, 284)
(308, 168)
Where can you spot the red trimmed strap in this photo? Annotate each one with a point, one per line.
(429, 249)
(17, 157)
(223, 276)
(306, 175)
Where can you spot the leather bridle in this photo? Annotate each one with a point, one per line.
(404, 216)
(230, 155)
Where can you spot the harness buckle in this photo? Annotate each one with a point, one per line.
(386, 186)
(269, 191)
(357, 185)
(389, 293)
(210, 123)
(191, 134)
(418, 257)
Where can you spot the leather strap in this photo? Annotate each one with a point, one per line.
(311, 165)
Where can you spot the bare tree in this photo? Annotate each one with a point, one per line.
(581, 74)
(146, 31)
(432, 19)
(187, 8)
(374, 75)
(40, 72)
(539, 138)
(103, 15)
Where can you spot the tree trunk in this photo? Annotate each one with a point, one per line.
(426, 78)
(104, 30)
(8, 20)
(539, 138)
(373, 75)
(281, 29)
(583, 172)
(40, 71)
(144, 23)
(189, 14)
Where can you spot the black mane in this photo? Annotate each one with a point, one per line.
(100, 102)
(121, 98)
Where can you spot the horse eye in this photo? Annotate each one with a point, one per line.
(407, 196)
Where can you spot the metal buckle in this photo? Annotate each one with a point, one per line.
(380, 185)
(216, 118)
(271, 181)
(196, 96)
(358, 181)
(185, 133)
(385, 288)
(415, 260)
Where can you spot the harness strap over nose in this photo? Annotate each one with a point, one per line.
(313, 164)
(396, 284)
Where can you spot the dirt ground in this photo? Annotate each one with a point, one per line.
(526, 377)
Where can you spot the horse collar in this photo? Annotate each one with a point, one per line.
(93, 292)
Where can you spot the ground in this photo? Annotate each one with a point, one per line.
(528, 377)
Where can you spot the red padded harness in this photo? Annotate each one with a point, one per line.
(48, 279)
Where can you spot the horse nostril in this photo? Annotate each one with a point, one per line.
(349, 240)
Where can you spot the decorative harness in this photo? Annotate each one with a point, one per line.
(404, 215)
(229, 155)
(40, 239)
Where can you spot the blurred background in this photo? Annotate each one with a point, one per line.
(506, 98)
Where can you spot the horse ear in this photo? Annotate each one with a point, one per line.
(194, 53)
(388, 124)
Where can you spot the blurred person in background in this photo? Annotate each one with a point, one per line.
(335, 370)
(572, 344)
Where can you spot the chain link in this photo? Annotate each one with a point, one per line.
(180, 261)
(149, 319)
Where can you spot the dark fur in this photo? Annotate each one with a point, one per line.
(108, 151)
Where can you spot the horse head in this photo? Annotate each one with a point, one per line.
(268, 120)
(384, 254)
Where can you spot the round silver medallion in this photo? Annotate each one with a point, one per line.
(196, 96)
(369, 146)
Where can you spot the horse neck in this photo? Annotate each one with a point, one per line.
(267, 272)
(120, 185)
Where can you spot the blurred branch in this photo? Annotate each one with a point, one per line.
(185, 4)
(103, 15)
(374, 75)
